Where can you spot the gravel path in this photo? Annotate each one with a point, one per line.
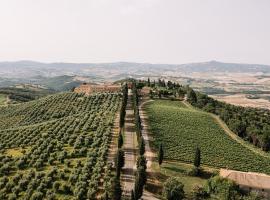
(127, 176)
(149, 154)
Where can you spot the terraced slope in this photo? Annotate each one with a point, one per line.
(181, 129)
(56, 147)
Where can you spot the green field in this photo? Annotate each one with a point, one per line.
(56, 147)
(181, 129)
(3, 99)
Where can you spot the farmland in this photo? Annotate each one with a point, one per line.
(181, 129)
(56, 147)
(3, 99)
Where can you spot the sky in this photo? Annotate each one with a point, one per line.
(155, 31)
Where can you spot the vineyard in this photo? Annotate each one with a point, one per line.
(181, 129)
(56, 147)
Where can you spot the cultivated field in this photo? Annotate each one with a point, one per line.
(3, 99)
(181, 129)
(56, 147)
(242, 100)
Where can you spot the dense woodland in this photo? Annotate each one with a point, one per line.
(16, 95)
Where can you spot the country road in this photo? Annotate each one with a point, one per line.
(130, 149)
(149, 154)
(127, 177)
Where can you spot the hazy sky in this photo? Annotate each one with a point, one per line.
(157, 31)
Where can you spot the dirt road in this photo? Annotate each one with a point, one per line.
(130, 148)
(149, 154)
(127, 176)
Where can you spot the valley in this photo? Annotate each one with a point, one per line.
(106, 144)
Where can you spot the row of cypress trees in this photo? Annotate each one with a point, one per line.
(123, 106)
(119, 160)
(140, 175)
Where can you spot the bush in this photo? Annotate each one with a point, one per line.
(223, 188)
(173, 189)
(195, 171)
(199, 192)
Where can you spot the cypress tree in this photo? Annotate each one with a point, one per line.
(132, 195)
(120, 140)
(141, 162)
(116, 189)
(160, 154)
(119, 161)
(142, 146)
(197, 159)
(191, 96)
(140, 181)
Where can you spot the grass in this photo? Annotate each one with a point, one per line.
(3, 99)
(181, 129)
(159, 174)
(14, 152)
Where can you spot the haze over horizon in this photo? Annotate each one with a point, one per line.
(145, 31)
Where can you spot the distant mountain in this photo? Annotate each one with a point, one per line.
(118, 70)
(215, 66)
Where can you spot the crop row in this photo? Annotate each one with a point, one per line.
(57, 158)
(182, 129)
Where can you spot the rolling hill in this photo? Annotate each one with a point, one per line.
(182, 128)
(56, 147)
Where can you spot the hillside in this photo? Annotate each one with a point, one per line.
(56, 147)
(22, 93)
(181, 129)
(120, 70)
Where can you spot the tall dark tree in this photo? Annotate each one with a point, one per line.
(132, 195)
(141, 162)
(123, 105)
(197, 158)
(119, 161)
(141, 146)
(148, 82)
(160, 154)
(191, 96)
(140, 180)
(120, 140)
(116, 189)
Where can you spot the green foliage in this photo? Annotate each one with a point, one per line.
(119, 161)
(251, 124)
(191, 96)
(63, 141)
(223, 188)
(160, 154)
(173, 189)
(197, 157)
(195, 171)
(123, 105)
(17, 95)
(141, 146)
(140, 180)
(179, 129)
(120, 140)
(117, 191)
(141, 162)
